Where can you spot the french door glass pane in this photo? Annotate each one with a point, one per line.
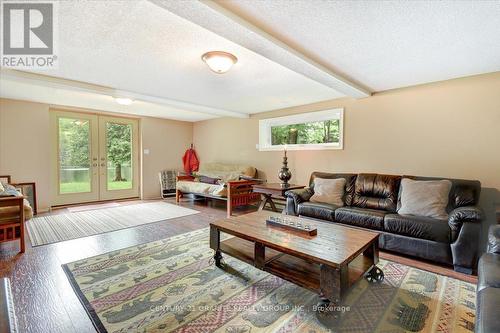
(74, 155)
(119, 156)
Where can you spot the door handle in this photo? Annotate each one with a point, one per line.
(94, 165)
(103, 164)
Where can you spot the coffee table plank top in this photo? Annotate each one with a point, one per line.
(335, 245)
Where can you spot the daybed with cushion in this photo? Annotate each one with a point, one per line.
(374, 201)
(228, 182)
(14, 211)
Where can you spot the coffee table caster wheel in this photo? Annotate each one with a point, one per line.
(375, 275)
(325, 314)
(218, 259)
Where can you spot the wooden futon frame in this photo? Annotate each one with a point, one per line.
(239, 193)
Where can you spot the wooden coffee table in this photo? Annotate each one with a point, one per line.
(328, 263)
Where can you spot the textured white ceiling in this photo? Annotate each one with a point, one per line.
(385, 44)
(137, 46)
(224, 23)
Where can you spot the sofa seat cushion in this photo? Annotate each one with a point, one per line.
(488, 271)
(361, 217)
(488, 302)
(317, 210)
(418, 227)
(187, 186)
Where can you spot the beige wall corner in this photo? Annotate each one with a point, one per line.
(166, 140)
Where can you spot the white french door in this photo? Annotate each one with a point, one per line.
(93, 157)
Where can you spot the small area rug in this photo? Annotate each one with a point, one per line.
(172, 285)
(61, 227)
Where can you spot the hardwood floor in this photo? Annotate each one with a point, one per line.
(44, 300)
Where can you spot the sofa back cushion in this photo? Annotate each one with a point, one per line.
(376, 191)
(329, 191)
(216, 168)
(427, 198)
(350, 179)
(463, 192)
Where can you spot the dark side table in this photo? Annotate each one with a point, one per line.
(272, 191)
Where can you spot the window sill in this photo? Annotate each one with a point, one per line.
(301, 147)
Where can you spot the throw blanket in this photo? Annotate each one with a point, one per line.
(9, 191)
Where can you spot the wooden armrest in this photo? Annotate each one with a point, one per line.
(185, 178)
(11, 201)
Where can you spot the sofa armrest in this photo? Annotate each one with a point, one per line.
(494, 239)
(295, 197)
(465, 228)
(464, 214)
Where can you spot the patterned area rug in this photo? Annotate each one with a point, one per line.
(57, 228)
(171, 285)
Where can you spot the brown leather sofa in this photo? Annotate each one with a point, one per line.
(371, 201)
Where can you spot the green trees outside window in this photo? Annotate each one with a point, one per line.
(327, 131)
(119, 147)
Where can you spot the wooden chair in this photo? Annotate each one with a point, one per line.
(12, 216)
(12, 224)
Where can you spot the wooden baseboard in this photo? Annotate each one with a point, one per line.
(92, 203)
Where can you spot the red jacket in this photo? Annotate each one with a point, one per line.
(190, 161)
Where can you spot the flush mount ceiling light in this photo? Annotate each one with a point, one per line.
(218, 61)
(123, 100)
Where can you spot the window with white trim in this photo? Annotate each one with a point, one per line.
(305, 131)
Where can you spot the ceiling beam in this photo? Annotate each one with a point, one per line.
(212, 16)
(71, 85)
